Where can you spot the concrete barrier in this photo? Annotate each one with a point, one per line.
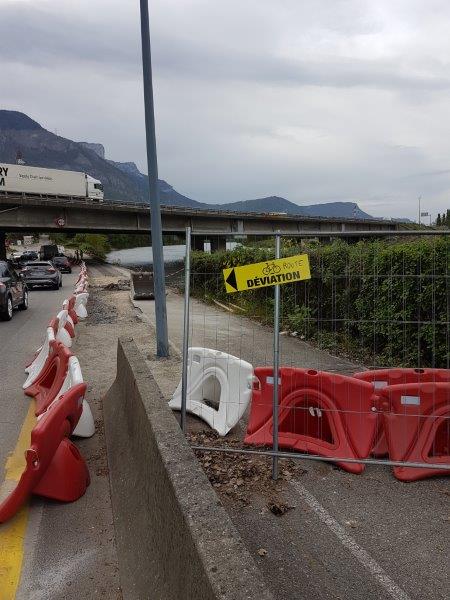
(174, 539)
(142, 285)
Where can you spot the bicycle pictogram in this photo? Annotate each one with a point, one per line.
(271, 269)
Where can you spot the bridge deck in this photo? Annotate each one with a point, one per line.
(46, 213)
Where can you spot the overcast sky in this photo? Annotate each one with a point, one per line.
(313, 100)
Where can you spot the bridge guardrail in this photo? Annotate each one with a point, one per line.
(70, 200)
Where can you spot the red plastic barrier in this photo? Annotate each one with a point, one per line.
(381, 378)
(69, 305)
(82, 276)
(70, 328)
(71, 309)
(384, 377)
(54, 467)
(320, 413)
(417, 427)
(46, 387)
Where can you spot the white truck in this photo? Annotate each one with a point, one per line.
(36, 180)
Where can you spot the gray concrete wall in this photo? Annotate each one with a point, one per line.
(175, 541)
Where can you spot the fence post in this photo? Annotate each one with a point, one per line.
(187, 288)
(276, 366)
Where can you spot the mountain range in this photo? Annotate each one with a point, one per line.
(21, 136)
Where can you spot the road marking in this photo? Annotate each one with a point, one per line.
(12, 533)
(363, 557)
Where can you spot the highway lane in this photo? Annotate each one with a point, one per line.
(18, 340)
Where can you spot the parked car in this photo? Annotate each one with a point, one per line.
(41, 274)
(13, 291)
(62, 263)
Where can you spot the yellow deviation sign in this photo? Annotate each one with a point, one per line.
(264, 274)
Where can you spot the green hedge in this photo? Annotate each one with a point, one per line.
(386, 303)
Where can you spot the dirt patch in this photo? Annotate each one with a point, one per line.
(121, 285)
(102, 311)
(238, 477)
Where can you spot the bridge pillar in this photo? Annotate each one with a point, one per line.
(2, 245)
(218, 243)
(198, 243)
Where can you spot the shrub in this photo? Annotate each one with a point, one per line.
(386, 302)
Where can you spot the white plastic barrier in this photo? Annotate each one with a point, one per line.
(82, 284)
(65, 306)
(86, 426)
(35, 367)
(80, 305)
(219, 388)
(82, 279)
(63, 335)
(82, 274)
(80, 289)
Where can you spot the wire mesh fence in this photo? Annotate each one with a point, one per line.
(363, 364)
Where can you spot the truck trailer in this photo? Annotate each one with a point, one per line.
(53, 182)
(48, 251)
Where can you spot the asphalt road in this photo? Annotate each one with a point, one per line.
(19, 339)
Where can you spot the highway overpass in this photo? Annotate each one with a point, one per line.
(76, 215)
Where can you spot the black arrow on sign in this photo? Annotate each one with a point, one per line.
(231, 280)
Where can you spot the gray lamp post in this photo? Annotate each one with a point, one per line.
(162, 341)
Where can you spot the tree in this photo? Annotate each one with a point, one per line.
(94, 244)
(438, 220)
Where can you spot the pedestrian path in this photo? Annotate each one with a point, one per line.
(212, 327)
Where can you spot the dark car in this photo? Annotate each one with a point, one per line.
(28, 256)
(62, 263)
(41, 274)
(13, 291)
(48, 251)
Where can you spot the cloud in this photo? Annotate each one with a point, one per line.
(75, 36)
(311, 100)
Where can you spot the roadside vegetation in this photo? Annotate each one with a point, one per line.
(98, 245)
(93, 244)
(384, 303)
